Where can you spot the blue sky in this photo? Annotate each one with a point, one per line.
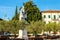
(7, 7)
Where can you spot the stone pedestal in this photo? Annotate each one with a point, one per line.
(20, 34)
(23, 34)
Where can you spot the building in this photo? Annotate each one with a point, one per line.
(23, 14)
(47, 16)
(51, 16)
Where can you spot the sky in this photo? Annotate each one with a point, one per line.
(7, 7)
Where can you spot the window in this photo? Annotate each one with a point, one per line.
(59, 16)
(44, 16)
(54, 16)
(48, 16)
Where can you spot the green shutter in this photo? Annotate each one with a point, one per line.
(54, 16)
(48, 16)
(44, 16)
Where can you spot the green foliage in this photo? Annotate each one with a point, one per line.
(55, 27)
(33, 13)
(12, 26)
(35, 27)
(51, 27)
(16, 25)
(16, 16)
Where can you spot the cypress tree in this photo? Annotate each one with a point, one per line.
(16, 16)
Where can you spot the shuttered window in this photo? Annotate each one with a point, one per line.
(54, 16)
(44, 16)
(48, 16)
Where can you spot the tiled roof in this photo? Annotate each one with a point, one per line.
(51, 11)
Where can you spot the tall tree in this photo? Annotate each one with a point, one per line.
(33, 13)
(16, 16)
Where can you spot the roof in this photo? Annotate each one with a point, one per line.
(51, 11)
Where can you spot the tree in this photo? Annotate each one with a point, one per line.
(33, 13)
(48, 27)
(16, 16)
(52, 27)
(2, 23)
(58, 25)
(13, 26)
(35, 27)
(55, 27)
